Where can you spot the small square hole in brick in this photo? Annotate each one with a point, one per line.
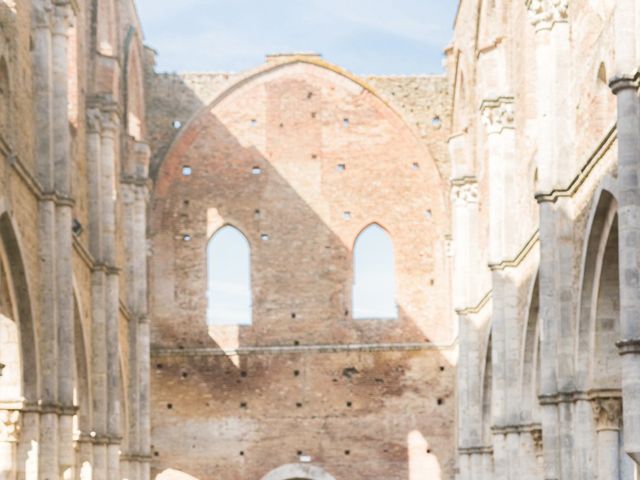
(254, 122)
(345, 122)
(415, 166)
(256, 170)
(440, 401)
(243, 404)
(428, 214)
(177, 124)
(257, 214)
(349, 404)
(296, 373)
(298, 404)
(264, 237)
(293, 315)
(186, 237)
(346, 215)
(341, 167)
(186, 171)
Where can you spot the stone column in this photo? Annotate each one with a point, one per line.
(607, 413)
(134, 193)
(64, 293)
(625, 86)
(9, 437)
(108, 150)
(41, 55)
(498, 117)
(556, 166)
(98, 294)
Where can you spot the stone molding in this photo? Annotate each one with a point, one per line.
(288, 349)
(498, 114)
(476, 308)
(607, 413)
(624, 82)
(9, 425)
(520, 257)
(479, 450)
(598, 154)
(627, 347)
(464, 194)
(544, 14)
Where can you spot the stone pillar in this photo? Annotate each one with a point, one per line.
(134, 194)
(108, 192)
(64, 274)
(9, 437)
(556, 166)
(625, 86)
(498, 117)
(98, 294)
(41, 55)
(607, 414)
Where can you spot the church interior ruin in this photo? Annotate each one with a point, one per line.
(295, 272)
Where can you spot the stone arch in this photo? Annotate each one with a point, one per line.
(134, 86)
(597, 257)
(530, 370)
(297, 471)
(486, 396)
(16, 271)
(82, 387)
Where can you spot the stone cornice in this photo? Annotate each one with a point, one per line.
(477, 308)
(520, 257)
(629, 346)
(624, 82)
(290, 349)
(545, 14)
(479, 450)
(599, 153)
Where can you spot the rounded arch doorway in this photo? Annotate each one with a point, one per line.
(296, 471)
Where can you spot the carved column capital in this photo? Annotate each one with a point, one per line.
(545, 14)
(607, 413)
(498, 114)
(62, 19)
(94, 120)
(9, 425)
(536, 435)
(464, 194)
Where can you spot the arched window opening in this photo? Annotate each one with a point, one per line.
(602, 75)
(374, 287)
(229, 278)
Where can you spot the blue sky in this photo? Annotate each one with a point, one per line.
(364, 36)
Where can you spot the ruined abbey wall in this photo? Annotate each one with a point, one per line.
(358, 397)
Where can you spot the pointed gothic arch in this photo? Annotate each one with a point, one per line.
(229, 295)
(374, 284)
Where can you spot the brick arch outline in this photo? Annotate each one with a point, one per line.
(268, 68)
